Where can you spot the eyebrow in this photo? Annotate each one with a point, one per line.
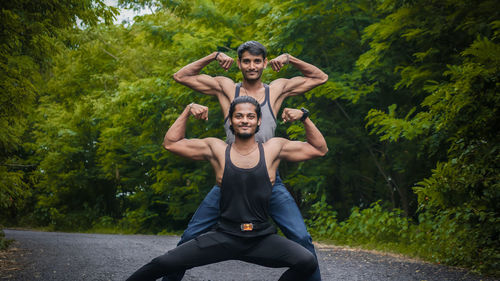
(241, 113)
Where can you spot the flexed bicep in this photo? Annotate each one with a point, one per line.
(311, 77)
(195, 149)
(190, 76)
(296, 151)
(202, 83)
(299, 85)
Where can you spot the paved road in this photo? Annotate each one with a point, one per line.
(73, 256)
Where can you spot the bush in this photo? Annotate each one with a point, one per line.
(4, 242)
(459, 237)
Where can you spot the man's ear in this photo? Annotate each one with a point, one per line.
(265, 62)
(239, 63)
(260, 121)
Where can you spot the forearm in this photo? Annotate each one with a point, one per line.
(315, 137)
(307, 69)
(194, 68)
(177, 131)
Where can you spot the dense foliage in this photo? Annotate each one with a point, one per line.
(410, 114)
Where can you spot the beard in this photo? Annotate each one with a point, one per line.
(244, 135)
(259, 74)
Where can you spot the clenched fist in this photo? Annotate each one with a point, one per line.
(291, 114)
(198, 111)
(224, 60)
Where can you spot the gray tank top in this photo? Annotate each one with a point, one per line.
(268, 124)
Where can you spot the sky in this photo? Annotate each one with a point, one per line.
(125, 14)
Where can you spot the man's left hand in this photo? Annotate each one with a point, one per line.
(291, 114)
(278, 62)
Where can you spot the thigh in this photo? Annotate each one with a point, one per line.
(188, 255)
(277, 251)
(205, 217)
(205, 249)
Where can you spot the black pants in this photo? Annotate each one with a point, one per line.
(271, 251)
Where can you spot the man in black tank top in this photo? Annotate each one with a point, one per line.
(252, 61)
(245, 171)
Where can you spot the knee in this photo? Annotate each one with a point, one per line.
(186, 236)
(307, 263)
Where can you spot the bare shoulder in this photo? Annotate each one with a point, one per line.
(226, 84)
(215, 142)
(273, 148)
(225, 81)
(275, 143)
(278, 85)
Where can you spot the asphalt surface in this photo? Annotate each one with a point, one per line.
(74, 256)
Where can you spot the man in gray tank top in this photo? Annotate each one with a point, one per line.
(252, 60)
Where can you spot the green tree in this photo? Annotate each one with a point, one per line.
(32, 32)
(442, 57)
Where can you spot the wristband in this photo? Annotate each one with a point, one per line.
(305, 114)
(287, 58)
(216, 55)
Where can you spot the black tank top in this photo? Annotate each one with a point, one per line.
(244, 198)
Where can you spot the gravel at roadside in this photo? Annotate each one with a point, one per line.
(74, 256)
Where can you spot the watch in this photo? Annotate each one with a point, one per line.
(305, 115)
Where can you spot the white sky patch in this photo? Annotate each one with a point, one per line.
(126, 15)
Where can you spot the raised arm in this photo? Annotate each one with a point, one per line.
(190, 75)
(312, 76)
(300, 151)
(196, 149)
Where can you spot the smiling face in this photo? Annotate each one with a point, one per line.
(244, 120)
(251, 66)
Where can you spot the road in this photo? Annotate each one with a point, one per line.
(74, 256)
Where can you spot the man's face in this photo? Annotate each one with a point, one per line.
(244, 120)
(251, 66)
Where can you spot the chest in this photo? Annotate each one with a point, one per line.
(245, 161)
(259, 95)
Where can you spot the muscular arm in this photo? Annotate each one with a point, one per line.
(195, 149)
(312, 76)
(190, 75)
(300, 151)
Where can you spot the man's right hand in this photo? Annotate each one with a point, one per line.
(225, 61)
(198, 111)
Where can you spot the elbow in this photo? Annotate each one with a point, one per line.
(177, 77)
(319, 151)
(323, 151)
(323, 79)
(167, 145)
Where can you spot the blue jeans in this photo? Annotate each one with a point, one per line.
(282, 208)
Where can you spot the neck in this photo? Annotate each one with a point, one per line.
(252, 86)
(244, 144)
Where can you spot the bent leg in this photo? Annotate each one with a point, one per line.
(277, 251)
(208, 248)
(287, 216)
(205, 217)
